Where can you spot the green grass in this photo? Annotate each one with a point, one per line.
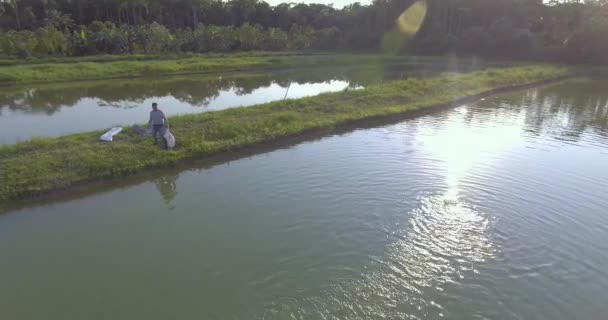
(42, 165)
(104, 67)
(12, 61)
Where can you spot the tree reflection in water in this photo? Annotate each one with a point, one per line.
(200, 90)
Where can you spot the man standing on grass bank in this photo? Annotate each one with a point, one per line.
(159, 122)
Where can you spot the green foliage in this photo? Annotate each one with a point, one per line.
(328, 39)
(300, 37)
(220, 39)
(250, 37)
(50, 41)
(44, 41)
(275, 39)
(107, 38)
(17, 44)
(42, 165)
(512, 29)
(59, 20)
(589, 42)
(138, 65)
(153, 38)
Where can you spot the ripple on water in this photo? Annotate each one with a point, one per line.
(515, 201)
(443, 242)
(494, 210)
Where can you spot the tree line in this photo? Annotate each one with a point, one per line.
(570, 31)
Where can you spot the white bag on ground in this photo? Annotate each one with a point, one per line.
(169, 139)
(107, 137)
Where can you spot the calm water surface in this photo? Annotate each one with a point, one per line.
(70, 108)
(493, 210)
(51, 110)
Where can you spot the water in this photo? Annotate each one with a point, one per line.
(493, 210)
(52, 110)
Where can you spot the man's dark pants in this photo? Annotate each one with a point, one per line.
(160, 129)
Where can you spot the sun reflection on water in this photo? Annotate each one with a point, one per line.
(460, 147)
(443, 241)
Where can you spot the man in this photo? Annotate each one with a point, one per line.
(159, 122)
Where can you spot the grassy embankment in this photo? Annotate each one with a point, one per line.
(43, 165)
(105, 67)
(12, 61)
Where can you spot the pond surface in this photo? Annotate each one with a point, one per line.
(50, 110)
(493, 210)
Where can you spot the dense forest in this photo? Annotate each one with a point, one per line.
(570, 31)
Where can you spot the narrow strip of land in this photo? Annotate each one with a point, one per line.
(117, 67)
(43, 165)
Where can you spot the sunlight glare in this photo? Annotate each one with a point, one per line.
(460, 147)
(407, 26)
(410, 21)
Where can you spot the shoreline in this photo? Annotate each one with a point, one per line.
(58, 165)
(126, 68)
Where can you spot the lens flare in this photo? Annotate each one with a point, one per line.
(406, 26)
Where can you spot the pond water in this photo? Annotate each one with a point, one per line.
(50, 110)
(493, 210)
